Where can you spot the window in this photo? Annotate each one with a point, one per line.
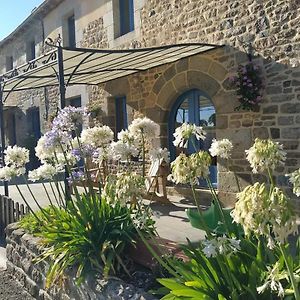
(71, 31)
(121, 114)
(123, 17)
(9, 63)
(33, 121)
(75, 102)
(30, 51)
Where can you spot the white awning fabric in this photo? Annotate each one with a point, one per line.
(94, 66)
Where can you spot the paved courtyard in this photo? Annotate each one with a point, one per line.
(172, 222)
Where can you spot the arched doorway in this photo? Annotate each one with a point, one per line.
(194, 107)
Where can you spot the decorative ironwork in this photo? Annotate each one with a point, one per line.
(31, 65)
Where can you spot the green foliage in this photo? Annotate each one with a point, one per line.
(233, 276)
(213, 220)
(91, 235)
(33, 225)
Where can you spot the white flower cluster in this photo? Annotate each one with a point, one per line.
(15, 159)
(44, 172)
(188, 169)
(129, 187)
(160, 154)
(186, 131)
(144, 127)
(7, 173)
(220, 245)
(273, 281)
(264, 155)
(98, 136)
(265, 212)
(43, 152)
(123, 151)
(16, 156)
(221, 148)
(294, 179)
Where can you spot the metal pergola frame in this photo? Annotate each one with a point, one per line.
(64, 66)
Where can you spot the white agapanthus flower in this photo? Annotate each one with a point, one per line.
(43, 152)
(220, 245)
(183, 133)
(97, 136)
(129, 187)
(123, 151)
(102, 154)
(126, 137)
(16, 156)
(44, 172)
(221, 148)
(7, 173)
(273, 281)
(145, 127)
(265, 212)
(160, 154)
(188, 169)
(62, 159)
(294, 179)
(181, 169)
(264, 155)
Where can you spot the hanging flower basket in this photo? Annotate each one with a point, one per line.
(249, 85)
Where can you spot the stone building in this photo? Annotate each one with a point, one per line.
(195, 89)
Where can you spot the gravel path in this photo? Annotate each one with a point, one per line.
(10, 289)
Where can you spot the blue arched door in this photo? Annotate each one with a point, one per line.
(194, 107)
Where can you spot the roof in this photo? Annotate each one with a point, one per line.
(36, 13)
(94, 66)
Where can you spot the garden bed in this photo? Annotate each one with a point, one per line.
(23, 248)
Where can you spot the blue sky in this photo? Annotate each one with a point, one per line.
(14, 12)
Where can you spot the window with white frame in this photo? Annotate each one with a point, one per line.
(123, 17)
(69, 31)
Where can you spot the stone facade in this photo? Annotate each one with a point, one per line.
(270, 26)
(22, 249)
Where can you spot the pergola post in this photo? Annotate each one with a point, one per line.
(2, 131)
(61, 77)
(62, 93)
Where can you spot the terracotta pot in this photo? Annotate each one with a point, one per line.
(141, 255)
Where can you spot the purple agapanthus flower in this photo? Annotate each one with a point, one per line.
(86, 151)
(69, 118)
(55, 138)
(76, 176)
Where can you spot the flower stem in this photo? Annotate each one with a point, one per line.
(22, 196)
(290, 272)
(206, 228)
(35, 200)
(217, 202)
(53, 192)
(48, 196)
(143, 154)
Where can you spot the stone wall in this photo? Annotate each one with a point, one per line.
(271, 28)
(23, 248)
